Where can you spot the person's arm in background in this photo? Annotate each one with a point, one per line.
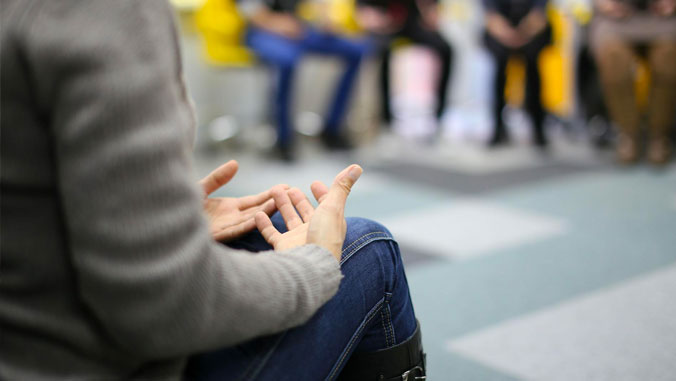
(284, 24)
(613, 8)
(664, 8)
(499, 27)
(107, 76)
(373, 17)
(534, 22)
(429, 11)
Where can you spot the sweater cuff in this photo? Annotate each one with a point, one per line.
(325, 269)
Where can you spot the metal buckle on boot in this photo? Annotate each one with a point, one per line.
(417, 369)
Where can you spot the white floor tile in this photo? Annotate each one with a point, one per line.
(469, 228)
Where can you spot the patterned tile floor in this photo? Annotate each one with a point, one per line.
(522, 265)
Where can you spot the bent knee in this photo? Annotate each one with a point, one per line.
(363, 226)
(614, 53)
(662, 58)
(362, 232)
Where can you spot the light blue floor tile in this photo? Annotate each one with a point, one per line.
(622, 333)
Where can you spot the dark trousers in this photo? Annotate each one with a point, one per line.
(530, 53)
(425, 37)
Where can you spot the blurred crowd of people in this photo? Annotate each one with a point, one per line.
(621, 34)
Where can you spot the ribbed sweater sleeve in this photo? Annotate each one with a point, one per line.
(108, 79)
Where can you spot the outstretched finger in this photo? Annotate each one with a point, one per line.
(258, 199)
(232, 232)
(342, 185)
(319, 190)
(269, 207)
(219, 177)
(301, 203)
(286, 208)
(267, 229)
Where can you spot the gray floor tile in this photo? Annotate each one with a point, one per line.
(479, 183)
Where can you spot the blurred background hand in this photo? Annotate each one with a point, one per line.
(664, 8)
(534, 23)
(614, 9)
(501, 30)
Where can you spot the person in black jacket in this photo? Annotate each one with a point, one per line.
(517, 27)
(417, 21)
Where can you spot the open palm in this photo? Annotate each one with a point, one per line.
(324, 226)
(232, 217)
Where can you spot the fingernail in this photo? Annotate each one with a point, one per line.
(355, 172)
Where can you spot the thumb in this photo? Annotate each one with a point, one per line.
(342, 184)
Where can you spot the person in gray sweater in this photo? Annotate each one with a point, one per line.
(110, 263)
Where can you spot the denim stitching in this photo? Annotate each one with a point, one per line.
(383, 237)
(389, 322)
(382, 322)
(364, 236)
(371, 314)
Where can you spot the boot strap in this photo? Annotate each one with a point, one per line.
(417, 373)
(407, 356)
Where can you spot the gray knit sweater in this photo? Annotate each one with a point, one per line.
(108, 270)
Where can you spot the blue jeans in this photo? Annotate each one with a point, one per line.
(285, 54)
(372, 310)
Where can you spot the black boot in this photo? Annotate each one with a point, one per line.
(539, 137)
(403, 362)
(334, 141)
(283, 152)
(499, 137)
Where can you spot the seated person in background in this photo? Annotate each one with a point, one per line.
(415, 20)
(621, 31)
(111, 269)
(517, 27)
(280, 38)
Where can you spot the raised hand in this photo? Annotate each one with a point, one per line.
(230, 217)
(324, 226)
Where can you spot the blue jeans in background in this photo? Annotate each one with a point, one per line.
(372, 310)
(285, 54)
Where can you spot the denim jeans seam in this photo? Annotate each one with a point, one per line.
(362, 237)
(369, 316)
(383, 237)
(382, 322)
(250, 374)
(390, 325)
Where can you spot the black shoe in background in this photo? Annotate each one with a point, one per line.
(284, 152)
(334, 141)
(540, 140)
(499, 138)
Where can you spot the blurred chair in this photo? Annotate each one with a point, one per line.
(341, 13)
(223, 28)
